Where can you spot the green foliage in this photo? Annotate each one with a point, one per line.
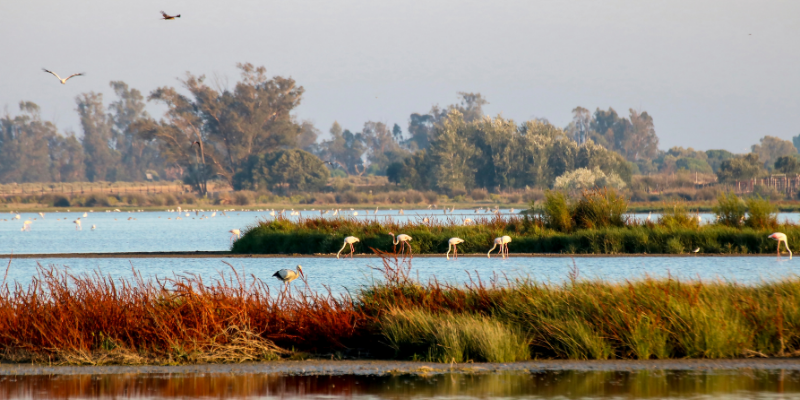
(677, 216)
(716, 157)
(295, 169)
(447, 337)
(787, 165)
(771, 148)
(740, 168)
(600, 208)
(761, 214)
(730, 209)
(556, 212)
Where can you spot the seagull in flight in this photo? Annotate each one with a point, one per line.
(168, 17)
(63, 81)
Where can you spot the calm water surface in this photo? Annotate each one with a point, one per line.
(740, 384)
(349, 274)
(162, 231)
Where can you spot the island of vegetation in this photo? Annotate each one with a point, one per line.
(597, 222)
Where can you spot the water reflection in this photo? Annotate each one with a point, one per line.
(563, 384)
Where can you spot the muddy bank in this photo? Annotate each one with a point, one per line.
(324, 367)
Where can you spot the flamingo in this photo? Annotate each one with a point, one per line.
(77, 223)
(235, 232)
(503, 241)
(781, 237)
(63, 81)
(287, 275)
(26, 226)
(453, 242)
(467, 221)
(402, 239)
(94, 227)
(349, 240)
(41, 215)
(649, 215)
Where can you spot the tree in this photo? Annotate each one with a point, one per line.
(66, 159)
(771, 148)
(307, 139)
(583, 179)
(582, 120)
(640, 140)
(215, 133)
(740, 168)
(787, 165)
(345, 149)
(293, 169)
(716, 157)
(25, 146)
(98, 138)
(382, 148)
(451, 154)
(137, 154)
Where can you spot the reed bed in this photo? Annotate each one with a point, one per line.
(93, 319)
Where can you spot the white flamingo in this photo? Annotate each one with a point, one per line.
(349, 240)
(77, 223)
(63, 81)
(26, 226)
(453, 242)
(781, 237)
(94, 227)
(287, 275)
(235, 233)
(402, 239)
(41, 215)
(503, 241)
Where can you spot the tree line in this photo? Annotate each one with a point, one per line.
(249, 138)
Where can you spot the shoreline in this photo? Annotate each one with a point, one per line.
(382, 367)
(227, 254)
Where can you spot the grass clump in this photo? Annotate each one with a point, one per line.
(730, 210)
(677, 216)
(447, 337)
(761, 214)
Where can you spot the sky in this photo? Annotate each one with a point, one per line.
(712, 73)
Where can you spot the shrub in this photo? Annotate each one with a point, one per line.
(514, 198)
(761, 214)
(60, 201)
(157, 200)
(600, 208)
(533, 195)
(324, 198)
(348, 197)
(414, 197)
(244, 197)
(170, 200)
(767, 192)
(96, 200)
(556, 212)
(135, 199)
(431, 197)
(730, 209)
(677, 216)
(478, 194)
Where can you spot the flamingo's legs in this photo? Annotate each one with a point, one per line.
(352, 250)
(455, 251)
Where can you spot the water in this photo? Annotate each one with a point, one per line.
(739, 384)
(349, 274)
(161, 231)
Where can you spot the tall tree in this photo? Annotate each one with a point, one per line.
(582, 120)
(382, 147)
(137, 154)
(25, 146)
(771, 148)
(451, 153)
(66, 159)
(344, 149)
(98, 138)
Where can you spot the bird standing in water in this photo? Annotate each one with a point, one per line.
(781, 237)
(287, 275)
(453, 242)
(503, 241)
(235, 233)
(402, 239)
(349, 240)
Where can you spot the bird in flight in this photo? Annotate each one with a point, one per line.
(63, 81)
(167, 17)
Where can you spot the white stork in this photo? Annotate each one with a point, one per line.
(453, 242)
(402, 239)
(349, 240)
(63, 81)
(503, 241)
(287, 275)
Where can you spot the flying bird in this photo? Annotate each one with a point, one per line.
(349, 240)
(453, 242)
(287, 275)
(168, 17)
(63, 81)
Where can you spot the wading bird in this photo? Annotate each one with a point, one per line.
(168, 17)
(695, 251)
(453, 242)
(402, 239)
(349, 240)
(77, 223)
(26, 226)
(94, 227)
(63, 81)
(41, 215)
(287, 275)
(503, 241)
(235, 233)
(781, 237)
(649, 215)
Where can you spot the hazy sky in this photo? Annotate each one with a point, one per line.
(714, 74)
